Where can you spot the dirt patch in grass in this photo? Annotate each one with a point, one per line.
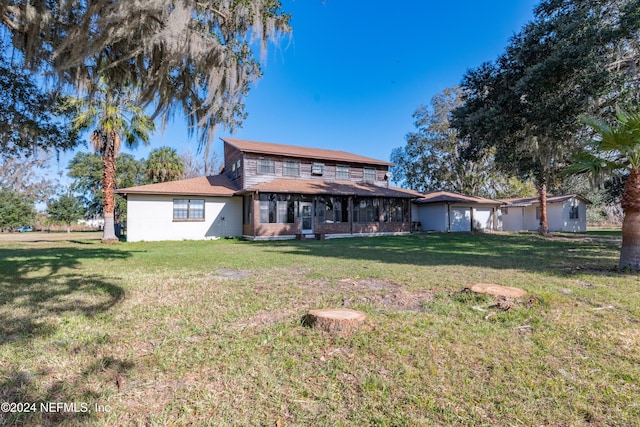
(584, 238)
(367, 285)
(397, 300)
(349, 285)
(225, 273)
(264, 318)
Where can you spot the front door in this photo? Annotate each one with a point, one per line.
(306, 217)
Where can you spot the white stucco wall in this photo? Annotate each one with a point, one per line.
(432, 216)
(483, 218)
(150, 217)
(513, 220)
(558, 217)
(562, 219)
(435, 217)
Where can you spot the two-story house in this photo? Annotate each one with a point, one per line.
(271, 191)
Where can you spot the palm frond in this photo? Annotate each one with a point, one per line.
(98, 141)
(586, 162)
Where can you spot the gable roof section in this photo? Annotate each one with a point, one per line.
(296, 186)
(217, 185)
(453, 197)
(528, 201)
(304, 152)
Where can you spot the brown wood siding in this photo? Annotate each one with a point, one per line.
(251, 177)
(231, 156)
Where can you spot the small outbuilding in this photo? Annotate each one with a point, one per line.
(450, 211)
(564, 213)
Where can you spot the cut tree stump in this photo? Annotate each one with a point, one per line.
(498, 290)
(338, 321)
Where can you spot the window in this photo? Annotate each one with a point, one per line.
(317, 169)
(574, 212)
(369, 174)
(248, 210)
(291, 168)
(342, 172)
(266, 166)
(396, 210)
(333, 209)
(366, 209)
(235, 169)
(277, 208)
(188, 209)
(505, 211)
(538, 212)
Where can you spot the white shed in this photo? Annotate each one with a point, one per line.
(564, 213)
(449, 211)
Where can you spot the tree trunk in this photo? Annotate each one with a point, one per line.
(630, 251)
(108, 180)
(542, 197)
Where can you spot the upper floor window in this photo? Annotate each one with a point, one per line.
(317, 169)
(266, 166)
(291, 168)
(235, 169)
(369, 174)
(188, 209)
(342, 172)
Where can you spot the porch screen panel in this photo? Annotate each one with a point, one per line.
(282, 211)
(277, 208)
(366, 210)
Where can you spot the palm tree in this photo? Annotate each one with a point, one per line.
(164, 164)
(617, 147)
(115, 117)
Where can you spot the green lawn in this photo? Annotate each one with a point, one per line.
(209, 333)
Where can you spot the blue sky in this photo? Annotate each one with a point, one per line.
(353, 72)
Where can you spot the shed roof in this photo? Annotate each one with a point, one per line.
(303, 152)
(217, 185)
(297, 186)
(528, 201)
(453, 197)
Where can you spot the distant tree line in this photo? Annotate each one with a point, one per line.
(22, 185)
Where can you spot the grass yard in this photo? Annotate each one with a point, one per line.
(209, 333)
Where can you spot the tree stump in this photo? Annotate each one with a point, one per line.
(497, 290)
(337, 321)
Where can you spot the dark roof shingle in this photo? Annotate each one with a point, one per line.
(450, 196)
(303, 152)
(528, 201)
(299, 186)
(217, 185)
